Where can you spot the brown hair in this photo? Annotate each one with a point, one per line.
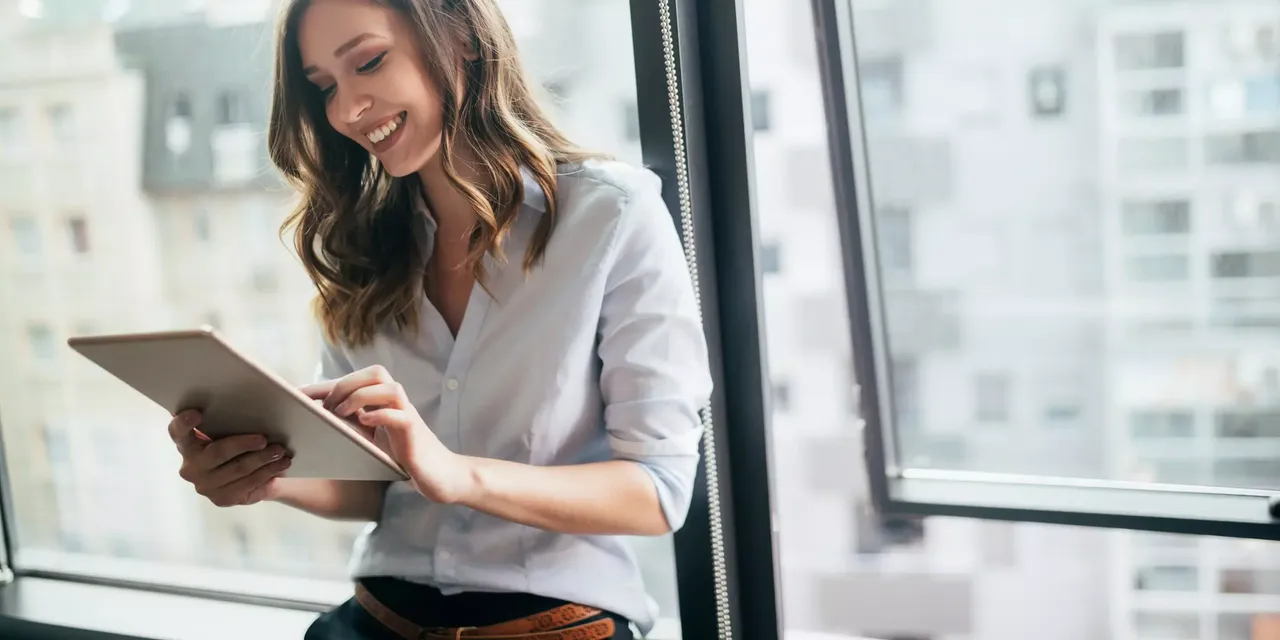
(352, 226)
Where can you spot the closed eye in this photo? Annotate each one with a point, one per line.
(372, 64)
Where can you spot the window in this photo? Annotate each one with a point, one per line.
(40, 342)
(1246, 264)
(78, 229)
(12, 136)
(771, 258)
(991, 397)
(1162, 424)
(1153, 155)
(1247, 424)
(761, 116)
(1047, 89)
(894, 234)
(1162, 625)
(62, 125)
(1260, 581)
(1166, 578)
(1152, 102)
(232, 108)
(1243, 148)
(196, 98)
(1159, 217)
(26, 236)
(1136, 52)
(1158, 268)
(881, 81)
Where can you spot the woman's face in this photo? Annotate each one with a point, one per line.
(363, 58)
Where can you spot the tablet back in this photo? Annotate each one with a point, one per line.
(197, 369)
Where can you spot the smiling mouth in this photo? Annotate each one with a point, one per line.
(384, 132)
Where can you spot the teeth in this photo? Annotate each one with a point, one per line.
(381, 133)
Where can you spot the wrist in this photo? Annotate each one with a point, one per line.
(470, 488)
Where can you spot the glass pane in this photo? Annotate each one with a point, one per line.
(129, 205)
(1077, 288)
(966, 395)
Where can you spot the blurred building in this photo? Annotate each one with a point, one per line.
(1191, 217)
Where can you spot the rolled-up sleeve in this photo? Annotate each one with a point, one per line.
(655, 374)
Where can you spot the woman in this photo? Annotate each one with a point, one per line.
(510, 318)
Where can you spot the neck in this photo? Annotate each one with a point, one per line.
(450, 207)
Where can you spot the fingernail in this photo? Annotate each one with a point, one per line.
(286, 463)
(275, 451)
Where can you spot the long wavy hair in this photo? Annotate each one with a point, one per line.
(352, 227)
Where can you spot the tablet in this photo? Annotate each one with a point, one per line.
(198, 369)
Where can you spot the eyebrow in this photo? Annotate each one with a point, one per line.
(342, 49)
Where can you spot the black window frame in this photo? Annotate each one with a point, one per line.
(1193, 510)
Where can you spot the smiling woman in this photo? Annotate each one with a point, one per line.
(542, 409)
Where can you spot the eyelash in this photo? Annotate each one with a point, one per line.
(368, 67)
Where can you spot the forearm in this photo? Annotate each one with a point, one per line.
(602, 498)
(334, 499)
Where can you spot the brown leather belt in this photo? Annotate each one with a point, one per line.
(562, 623)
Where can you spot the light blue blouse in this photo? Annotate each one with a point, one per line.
(597, 354)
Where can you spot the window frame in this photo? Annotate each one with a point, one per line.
(1194, 510)
(695, 125)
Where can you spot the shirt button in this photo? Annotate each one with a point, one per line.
(451, 384)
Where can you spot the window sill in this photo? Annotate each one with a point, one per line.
(36, 608)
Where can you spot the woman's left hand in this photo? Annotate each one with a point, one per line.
(371, 398)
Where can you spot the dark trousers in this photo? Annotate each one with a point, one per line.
(427, 607)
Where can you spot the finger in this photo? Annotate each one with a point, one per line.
(267, 491)
(346, 385)
(223, 450)
(238, 491)
(182, 432)
(244, 465)
(387, 394)
(318, 390)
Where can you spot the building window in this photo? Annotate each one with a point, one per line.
(62, 125)
(1158, 217)
(1047, 89)
(771, 257)
(880, 84)
(1243, 148)
(781, 396)
(12, 138)
(1260, 581)
(232, 108)
(40, 342)
(26, 235)
(1136, 52)
(893, 231)
(177, 131)
(1158, 268)
(1246, 264)
(1241, 424)
(1166, 578)
(1161, 424)
(631, 122)
(1262, 95)
(991, 392)
(1152, 102)
(1153, 155)
(79, 231)
(761, 117)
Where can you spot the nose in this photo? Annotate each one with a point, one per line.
(350, 106)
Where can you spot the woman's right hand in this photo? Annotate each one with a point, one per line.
(236, 470)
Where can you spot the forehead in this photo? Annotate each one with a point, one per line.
(325, 25)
